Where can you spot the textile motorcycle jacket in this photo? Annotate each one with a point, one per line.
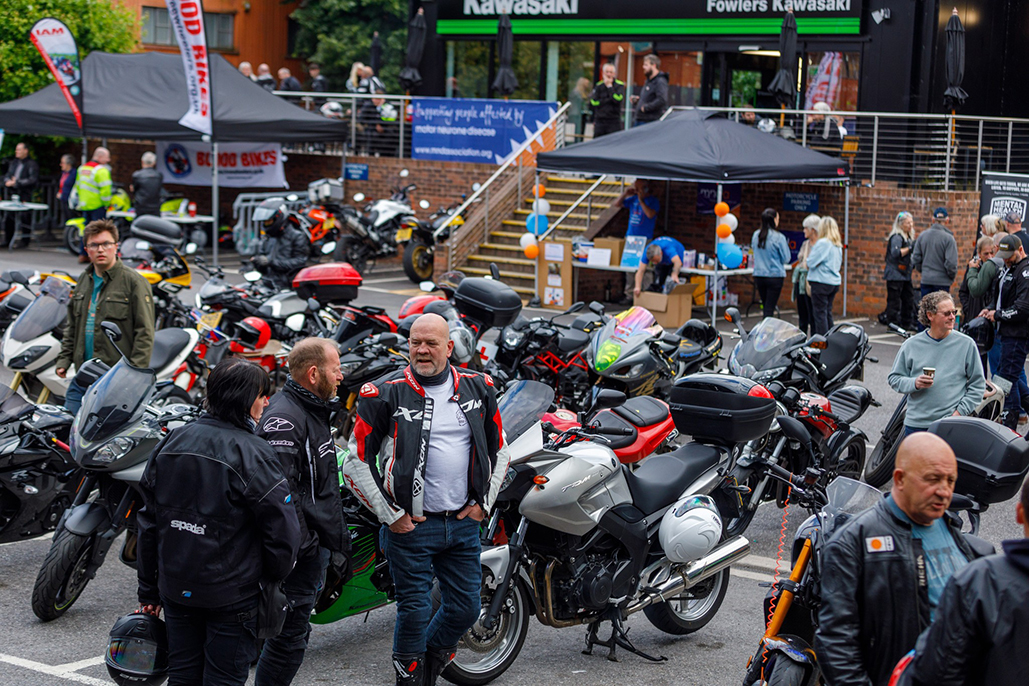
(287, 254)
(606, 102)
(1012, 314)
(982, 626)
(875, 599)
(296, 426)
(386, 467)
(218, 517)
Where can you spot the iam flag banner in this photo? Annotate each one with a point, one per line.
(56, 44)
(187, 21)
(240, 165)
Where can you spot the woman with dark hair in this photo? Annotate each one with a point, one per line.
(771, 255)
(218, 524)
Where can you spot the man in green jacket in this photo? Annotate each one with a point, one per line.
(106, 291)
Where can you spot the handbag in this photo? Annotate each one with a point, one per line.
(271, 609)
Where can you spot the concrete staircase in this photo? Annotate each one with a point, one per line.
(502, 245)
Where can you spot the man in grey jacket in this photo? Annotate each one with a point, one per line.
(936, 254)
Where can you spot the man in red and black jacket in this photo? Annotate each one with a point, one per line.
(428, 458)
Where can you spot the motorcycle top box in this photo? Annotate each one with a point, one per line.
(334, 282)
(992, 459)
(719, 408)
(151, 228)
(489, 302)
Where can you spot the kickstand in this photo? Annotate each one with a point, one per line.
(619, 637)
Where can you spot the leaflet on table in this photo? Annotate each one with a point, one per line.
(632, 254)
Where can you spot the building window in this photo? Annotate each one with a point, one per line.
(157, 29)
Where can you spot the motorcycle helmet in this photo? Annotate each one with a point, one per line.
(443, 308)
(137, 652)
(690, 529)
(332, 109)
(271, 216)
(981, 331)
(464, 343)
(697, 331)
(253, 333)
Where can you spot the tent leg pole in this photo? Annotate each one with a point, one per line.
(85, 150)
(214, 200)
(846, 242)
(714, 287)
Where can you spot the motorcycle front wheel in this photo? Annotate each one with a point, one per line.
(484, 654)
(691, 610)
(418, 261)
(786, 672)
(63, 576)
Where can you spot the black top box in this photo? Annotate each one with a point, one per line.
(487, 301)
(992, 459)
(718, 408)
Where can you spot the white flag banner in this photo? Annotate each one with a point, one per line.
(240, 165)
(187, 21)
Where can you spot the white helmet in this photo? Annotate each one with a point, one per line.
(464, 343)
(690, 529)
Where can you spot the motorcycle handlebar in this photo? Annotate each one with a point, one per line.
(608, 430)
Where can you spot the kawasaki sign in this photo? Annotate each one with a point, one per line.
(656, 17)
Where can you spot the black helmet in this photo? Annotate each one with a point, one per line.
(271, 216)
(138, 650)
(981, 331)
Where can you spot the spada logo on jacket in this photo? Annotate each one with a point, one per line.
(188, 526)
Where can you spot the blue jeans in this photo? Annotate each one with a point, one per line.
(994, 357)
(213, 647)
(283, 655)
(448, 548)
(1012, 368)
(73, 398)
(908, 430)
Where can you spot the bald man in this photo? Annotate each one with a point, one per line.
(427, 456)
(884, 571)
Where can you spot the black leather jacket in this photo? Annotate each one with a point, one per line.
(296, 425)
(874, 604)
(1013, 315)
(287, 254)
(218, 517)
(981, 632)
(653, 98)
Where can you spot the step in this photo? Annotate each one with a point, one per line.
(515, 247)
(520, 261)
(507, 276)
(508, 234)
(577, 192)
(563, 227)
(586, 182)
(573, 215)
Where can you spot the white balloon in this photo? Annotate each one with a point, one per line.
(731, 220)
(526, 240)
(540, 206)
(731, 240)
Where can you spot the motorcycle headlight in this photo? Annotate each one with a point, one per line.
(508, 478)
(768, 374)
(349, 368)
(607, 355)
(115, 449)
(513, 338)
(28, 357)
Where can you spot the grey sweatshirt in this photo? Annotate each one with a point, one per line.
(936, 255)
(958, 384)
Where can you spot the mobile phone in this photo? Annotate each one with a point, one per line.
(929, 371)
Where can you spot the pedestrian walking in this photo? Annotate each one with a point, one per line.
(771, 255)
(900, 294)
(606, 100)
(1013, 225)
(284, 249)
(801, 289)
(296, 426)
(935, 254)
(652, 101)
(823, 274)
(939, 368)
(217, 524)
(428, 457)
(146, 187)
(1012, 316)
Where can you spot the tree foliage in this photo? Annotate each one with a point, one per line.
(97, 25)
(337, 33)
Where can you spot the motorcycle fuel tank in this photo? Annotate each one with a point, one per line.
(578, 491)
(282, 306)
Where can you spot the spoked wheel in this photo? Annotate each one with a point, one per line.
(691, 610)
(484, 654)
(348, 249)
(880, 463)
(63, 576)
(418, 261)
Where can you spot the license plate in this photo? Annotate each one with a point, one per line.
(403, 235)
(210, 320)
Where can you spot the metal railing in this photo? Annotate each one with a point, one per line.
(588, 193)
(246, 234)
(938, 151)
(384, 132)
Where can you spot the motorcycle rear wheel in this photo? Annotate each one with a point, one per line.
(417, 261)
(63, 576)
(483, 655)
(348, 249)
(693, 609)
(879, 466)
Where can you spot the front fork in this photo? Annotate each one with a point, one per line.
(507, 582)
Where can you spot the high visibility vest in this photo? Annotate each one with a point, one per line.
(93, 186)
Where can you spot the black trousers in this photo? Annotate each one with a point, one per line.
(212, 647)
(900, 304)
(602, 127)
(768, 289)
(804, 311)
(822, 295)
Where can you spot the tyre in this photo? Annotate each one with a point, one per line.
(169, 395)
(691, 610)
(418, 261)
(850, 461)
(786, 672)
(63, 576)
(73, 240)
(879, 466)
(736, 525)
(483, 655)
(349, 250)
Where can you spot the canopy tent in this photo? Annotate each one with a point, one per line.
(696, 146)
(143, 95)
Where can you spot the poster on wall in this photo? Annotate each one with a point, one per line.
(1002, 193)
(483, 131)
(707, 196)
(240, 165)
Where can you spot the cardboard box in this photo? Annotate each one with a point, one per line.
(671, 311)
(615, 245)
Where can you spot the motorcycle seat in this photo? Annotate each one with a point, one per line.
(572, 340)
(167, 344)
(369, 219)
(643, 411)
(839, 352)
(609, 420)
(850, 402)
(661, 479)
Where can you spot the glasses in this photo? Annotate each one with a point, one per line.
(947, 313)
(106, 245)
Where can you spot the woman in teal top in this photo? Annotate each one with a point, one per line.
(823, 274)
(771, 255)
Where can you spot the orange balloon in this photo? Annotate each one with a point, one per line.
(722, 209)
(532, 251)
(541, 191)
(724, 230)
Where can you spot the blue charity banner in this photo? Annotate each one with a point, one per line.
(474, 130)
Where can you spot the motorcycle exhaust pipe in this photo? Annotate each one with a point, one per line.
(722, 557)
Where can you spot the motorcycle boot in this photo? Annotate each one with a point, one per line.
(436, 660)
(410, 668)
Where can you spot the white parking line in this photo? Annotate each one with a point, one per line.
(61, 671)
(754, 576)
(759, 562)
(81, 664)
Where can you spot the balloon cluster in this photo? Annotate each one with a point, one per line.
(729, 254)
(536, 223)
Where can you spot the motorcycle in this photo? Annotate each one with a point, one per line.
(18, 293)
(775, 350)
(74, 227)
(167, 272)
(373, 233)
(418, 239)
(112, 438)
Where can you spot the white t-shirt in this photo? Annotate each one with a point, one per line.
(448, 458)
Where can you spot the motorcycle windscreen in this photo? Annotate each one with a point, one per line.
(12, 405)
(767, 343)
(212, 287)
(608, 344)
(116, 400)
(522, 405)
(45, 313)
(846, 497)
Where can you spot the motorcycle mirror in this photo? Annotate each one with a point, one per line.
(143, 245)
(191, 248)
(608, 398)
(112, 330)
(292, 197)
(424, 204)
(476, 186)
(818, 342)
(329, 248)
(733, 315)
(313, 305)
(18, 276)
(252, 276)
(596, 308)
(404, 173)
(494, 271)
(427, 286)
(794, 429)
(388, 340)
(358, 197)
(576, 307)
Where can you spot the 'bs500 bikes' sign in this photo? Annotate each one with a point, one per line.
(240, 165)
